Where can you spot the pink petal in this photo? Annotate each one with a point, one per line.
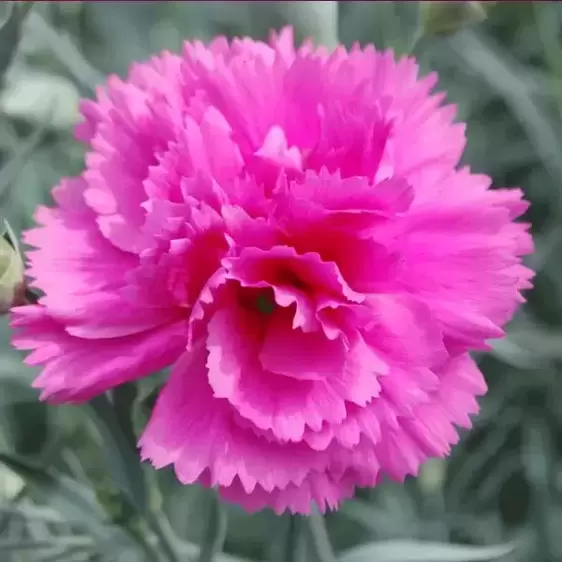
(284, 404)
(312, 356)
(403, 328)
(76, 370)
(282, 265)
(198, 434)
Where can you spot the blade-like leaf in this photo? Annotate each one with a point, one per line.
(77, 504)
(294, 544)
(15, 545)
(9, 172)
(73, 501)
(418, 551)
(147, 390)
(490, 63)
(119, 447)
(312, 19)
(10, 34)
(320, 540)
(66, 51)
(215, 532)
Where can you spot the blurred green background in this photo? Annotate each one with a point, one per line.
(71, 487)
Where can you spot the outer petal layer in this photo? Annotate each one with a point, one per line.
(76, 369)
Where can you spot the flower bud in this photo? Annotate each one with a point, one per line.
(445, 18)
(12, 285)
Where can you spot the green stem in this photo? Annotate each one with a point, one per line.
(547, 22)
(215, 532)
(415, 43)
(140, 538)
(320, 539)
(295, 545)
(165, 535)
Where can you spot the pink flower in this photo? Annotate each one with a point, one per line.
(290, 231)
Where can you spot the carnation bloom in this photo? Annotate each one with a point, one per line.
(290, 232)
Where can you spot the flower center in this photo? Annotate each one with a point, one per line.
(265, 304)
(258, 300)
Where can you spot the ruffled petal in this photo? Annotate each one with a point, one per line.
(76, 370)
(269, 399)
(197, 432)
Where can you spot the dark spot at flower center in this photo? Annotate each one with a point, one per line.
(259, 300)
(265, 304)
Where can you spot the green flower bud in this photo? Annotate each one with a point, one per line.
(446, 18)
(12, 285)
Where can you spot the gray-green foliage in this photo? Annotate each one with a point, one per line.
(72, 488)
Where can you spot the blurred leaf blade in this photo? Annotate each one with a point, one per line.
(61, 493)
(215, 533)
(10, 33)
(119, 447)
(76, 503)
(494, 66)
(320, 539)
(66, 51)
(414, 551)
(10, 171)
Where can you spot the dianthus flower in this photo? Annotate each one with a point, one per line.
(290, 231)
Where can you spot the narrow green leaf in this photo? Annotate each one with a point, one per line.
(547, 18)
(495, 66)
(25, 6)
(66, 51)
(10, 171)
(15, 545)
(420, 551)
(10, 34)
(147, 390)
(538, 459)
(168, 542)
(292, 542)
(320, 539)
(119, 447)
(76, 503)
(318, 20)
(378, 520)
(124, 397)
(69, 554)
(386, 24)
(190, 551)
(215, 532)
